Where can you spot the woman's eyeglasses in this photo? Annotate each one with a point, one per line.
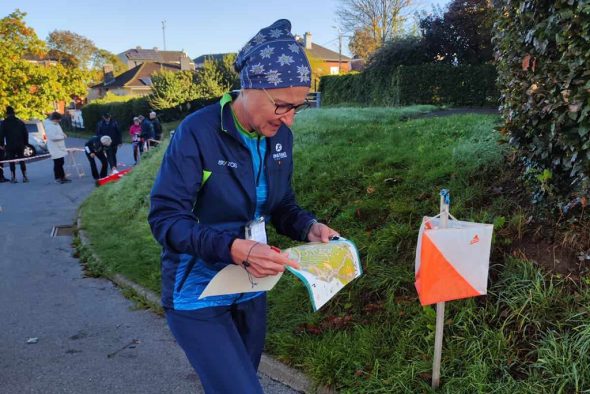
(282, 109)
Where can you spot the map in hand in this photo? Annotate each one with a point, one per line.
(325, 268)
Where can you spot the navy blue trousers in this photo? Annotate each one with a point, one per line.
(223, 344)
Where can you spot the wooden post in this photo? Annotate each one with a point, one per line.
(440, 307)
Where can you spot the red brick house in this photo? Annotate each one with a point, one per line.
(332, 62)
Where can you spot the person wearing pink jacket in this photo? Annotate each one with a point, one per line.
(135, 131)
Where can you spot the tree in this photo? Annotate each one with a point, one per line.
(170, 89)
(100, 57)
(73, 44)
(362, 43)
(228, 72)
(21, 80)
(462, 34)
(376, 21)
(403, 51)
(64, 58)
(216, 77)
(31, 88)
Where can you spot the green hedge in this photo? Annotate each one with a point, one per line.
(123, 112)
(543, 52)
(471, 85)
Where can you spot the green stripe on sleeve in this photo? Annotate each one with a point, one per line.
(206, 175)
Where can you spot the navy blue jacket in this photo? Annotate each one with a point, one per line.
(147, 129)
(93, 145)
(111, 129)
(204, 195)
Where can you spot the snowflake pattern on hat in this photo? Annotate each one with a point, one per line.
(275, 33)
(274, 77)
(285, 59)
(266, 52)
(294, 47)
(257, 69)
(259, 38)
(273, 59)
(303, 73)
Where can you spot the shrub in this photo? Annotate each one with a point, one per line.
(471, 85)
(543, 50)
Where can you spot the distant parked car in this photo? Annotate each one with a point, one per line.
(37, 139)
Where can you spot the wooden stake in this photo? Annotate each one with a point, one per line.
(440, 307)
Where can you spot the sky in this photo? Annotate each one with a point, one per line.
(198, 27)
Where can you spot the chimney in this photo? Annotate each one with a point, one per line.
(108, 75)
(185, 63)
(307, 40)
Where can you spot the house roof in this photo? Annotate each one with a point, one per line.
(324, 53)
(138, 76)
(214, 56)
(153, 55)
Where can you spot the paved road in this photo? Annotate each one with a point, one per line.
(90, 339)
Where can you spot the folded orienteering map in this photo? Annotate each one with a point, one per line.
(325, 269)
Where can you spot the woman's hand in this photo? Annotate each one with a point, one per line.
(319, 232)
(259, 259)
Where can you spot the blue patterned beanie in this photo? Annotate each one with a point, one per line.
(273, 59)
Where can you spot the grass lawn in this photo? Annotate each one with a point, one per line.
(372, 173)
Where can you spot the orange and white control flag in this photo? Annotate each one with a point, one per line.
(452, 262)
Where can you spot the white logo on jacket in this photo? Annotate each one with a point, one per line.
(278, 147)
(225, 163)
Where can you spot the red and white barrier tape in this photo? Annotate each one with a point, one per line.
(36, 157)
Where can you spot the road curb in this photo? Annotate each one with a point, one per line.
(269, 366)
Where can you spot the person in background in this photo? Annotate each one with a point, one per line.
(135, 133)
(95, 148)
(157, 128)
(147, 131)
(227, 171)
(56, 144)
(110, 127)
(13, 139)
(2, 177)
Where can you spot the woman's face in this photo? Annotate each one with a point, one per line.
(260, 107)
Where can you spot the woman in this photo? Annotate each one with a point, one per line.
(56, 145)
(226, 172)
(135, 131)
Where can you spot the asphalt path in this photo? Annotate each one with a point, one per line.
(61, 332)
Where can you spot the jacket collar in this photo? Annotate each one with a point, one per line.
(227, 119)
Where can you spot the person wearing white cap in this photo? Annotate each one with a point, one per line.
(96, 148)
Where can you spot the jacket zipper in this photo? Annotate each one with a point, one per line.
(260, 161)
